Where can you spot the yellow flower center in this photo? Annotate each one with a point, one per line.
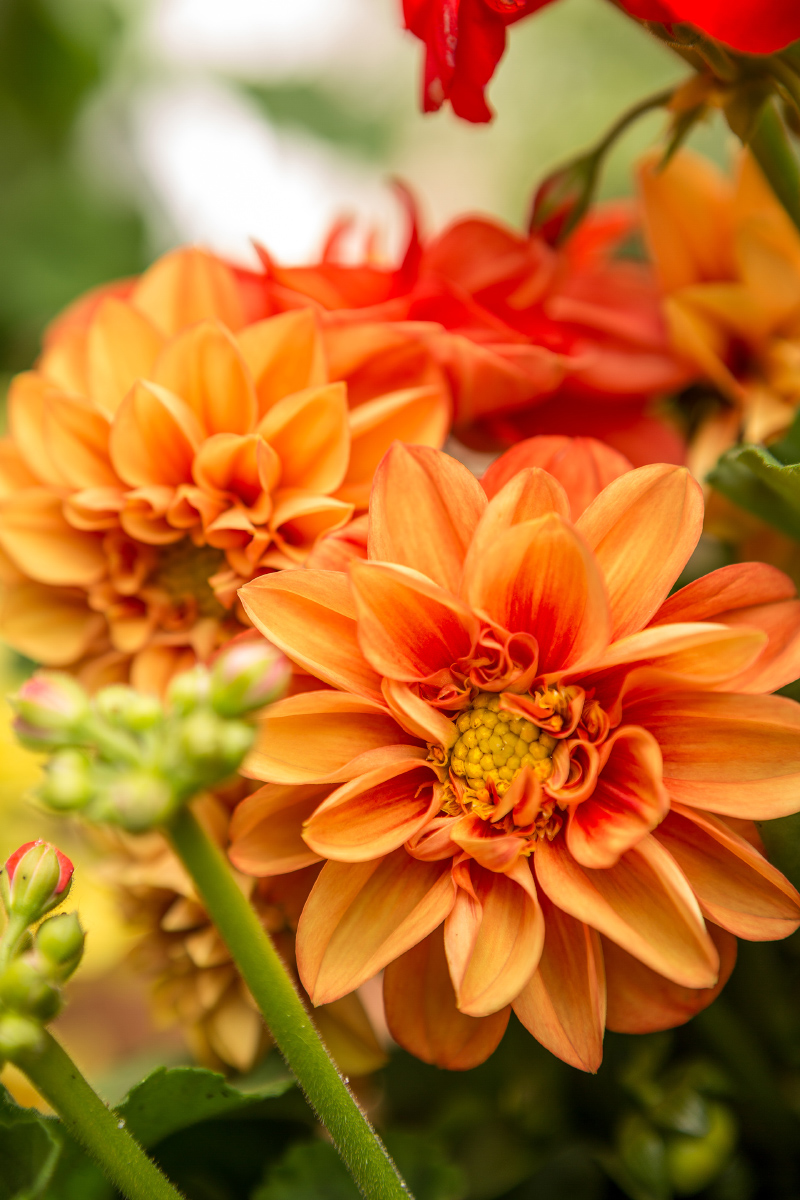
(496, 745)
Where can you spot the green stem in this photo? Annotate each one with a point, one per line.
(773, 152)
(14, 932)
(290, 1025)
(98, 1129)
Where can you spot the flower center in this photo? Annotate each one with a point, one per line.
(496, 745)
(183, 571)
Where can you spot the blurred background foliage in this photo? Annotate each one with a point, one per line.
(128, 127)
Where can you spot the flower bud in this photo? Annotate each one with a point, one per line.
(68, 782)
(36, 878)
(248, 675)
(59, 945)
(124, 707)
(189, 690)
(214, 746)
(23, 989)
(136, 800)
(18, 1035)
(51, 708)
(562, 200)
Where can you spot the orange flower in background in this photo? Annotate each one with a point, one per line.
(728, 259)
(532, 777)
(173, 442)
(532, 339)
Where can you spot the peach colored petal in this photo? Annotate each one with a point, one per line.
(38, 539)
(266, 830)
(563, 1004)
(738, 586)
(422, 1015)
(539, 578)
(154, 437)
(360, 916)
(231, 462)
(95, 508)
(644, 903)
(408, 627)
(433, 534)
(144, 517)
(336, 551)
(487, 845)
(582, 465)
(63, 361)
(417, 716)
(284, 354)
(27, 395)
(14, 472)
(300, 518)
(699, 651)
(310, 434)
(47, 624)
(311, 616)
(187, 286)
(642, 529)
(530, 494)
(77, 438)
(736, 886)
(203, 366)
(121, 347)
(642, 1001)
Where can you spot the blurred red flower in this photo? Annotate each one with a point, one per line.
(755, 27)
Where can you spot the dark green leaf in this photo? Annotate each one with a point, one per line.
(29, 1150)
(753, 478)
(308, 1171)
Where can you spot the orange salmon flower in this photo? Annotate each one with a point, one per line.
(728, 259)
(532, 339)
(531, 773)
(173, 442)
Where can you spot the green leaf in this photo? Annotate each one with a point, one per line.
(29, 1150)
(173, 1098)
(755, 479)
(308, 1171)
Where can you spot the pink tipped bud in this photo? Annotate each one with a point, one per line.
(563, 199)
(51, 708)
(248, 675)
(35, 878)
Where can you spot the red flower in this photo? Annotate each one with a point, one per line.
(755, 27)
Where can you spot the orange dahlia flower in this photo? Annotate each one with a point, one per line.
(728, 259)
(170, 445)
(531, 772)
(532, 339)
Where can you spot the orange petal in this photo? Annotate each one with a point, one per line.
(154, 437)
(77, 438)
(779, 661)
(564, 1003)
(491, 848)
(377, 812)
(530, 494)
(493, 939)
(737, 755)
(266, 830)
(48, 625)
(644, 903)
(35, 535)
(284, 355)
(738, 586)
(642, 528)
(204, 367)
(417, 716)
(300, 518)
(229, 462)
(736, 886)
(629, 800)
(14, 472)
(27, 397)
(311, 616)
(408, 628)
(698, 651)
(582, 465)
(539, 578)
(310, 434)
(422, 1015)
(121, 347)
(187, 286)
(418, 416)
(433, 534)
(360, 916)
(321, 737)
(642, 1001)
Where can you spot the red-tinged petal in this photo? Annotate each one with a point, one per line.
(408, 627)
(733, 755)
(642, 1001)
(284, 355)
(582, 465)
(564, 1003)
(493, 940)
(700, 651)
(422, 1015)
(642, 529)
(433, 843)
(121, 347)
(489, 846)
(154, 437)
(417, 716)
(360, 916)
(321, 737)
(204, 367)
(530, 494)
(310, 434)
(736, 887)
(644, 903)
(266, 830)
(629, 800)
(187, 286)
(539, 578)
(779, 661)
(310, 615)
(738, 586)
(433, 533)
(376, 813)
(38, 539)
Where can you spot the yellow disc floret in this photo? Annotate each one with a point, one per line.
(496, 745)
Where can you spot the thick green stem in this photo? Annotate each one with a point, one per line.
(98, 1129)
(773, 152)
(14, 932)
(290, 1025)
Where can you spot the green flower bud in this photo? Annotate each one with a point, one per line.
(128, 709)
(136, 800)
(68, 783)
(213, 746)
(18, 1035)
(189, 690)
(694, 1162)
(59, 945)
(248, 675)
(35, 879)
(50, 711)
(24, 990)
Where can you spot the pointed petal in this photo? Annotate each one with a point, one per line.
(642, 529)
(77, 438)
(736, 886)
(121, 347)
(422, 1015)
(700, 651)
(417, 716)
(310, 615)
(284, 355)
(299, 519)
(154, 437)
(27, 396)
(408, 627)
(204, 367)
(310, 434)
(582, 465)
(738, 586)
(266, 830)
(433, 534)
(529, 494)
(487, 845)
(564, 1003)
(643, 903)
(187, 286)
(539, 578)
(360, 916)
(35, 535)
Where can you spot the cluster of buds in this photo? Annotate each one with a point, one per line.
(133, 761)
(34, 964)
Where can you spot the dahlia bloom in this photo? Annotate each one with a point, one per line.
(531, 773)
(175, 440)
(532, 339)
(728, 259)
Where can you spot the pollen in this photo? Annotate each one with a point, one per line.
(495, 745)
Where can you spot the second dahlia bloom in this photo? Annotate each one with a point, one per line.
(531, 773)
(174, 441)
